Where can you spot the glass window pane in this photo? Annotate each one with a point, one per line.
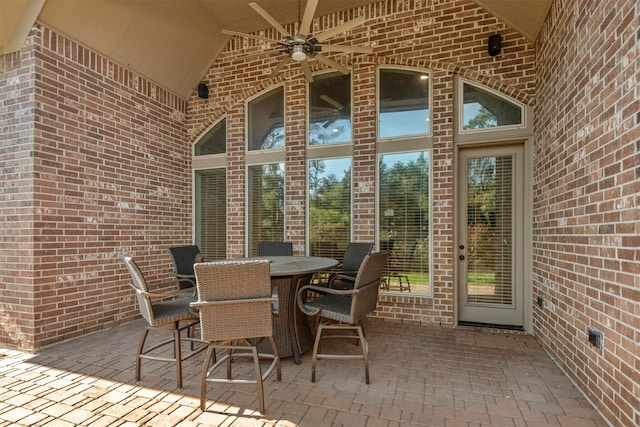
(403, 102)
(266, 120)
(404, 220)
(211, 213)
(483, 109)
(330, 109)
(329, 206)
(214, 141)
(490, 199)
(265, 210)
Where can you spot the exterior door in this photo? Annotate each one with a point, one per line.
(490, 233)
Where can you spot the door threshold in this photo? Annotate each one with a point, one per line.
(492, 326)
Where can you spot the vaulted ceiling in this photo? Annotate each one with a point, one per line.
(175, 42)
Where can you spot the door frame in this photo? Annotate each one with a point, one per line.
(527, 227)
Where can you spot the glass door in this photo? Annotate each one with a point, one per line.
(490, 229)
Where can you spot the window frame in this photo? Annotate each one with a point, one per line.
(208, 161)
(308, 195)
(399, 145)
(404, 138)
(247, 124)
(248, 241)
(490, 134)
(196, 225)
(321, 147)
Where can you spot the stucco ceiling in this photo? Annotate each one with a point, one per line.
(175, 42)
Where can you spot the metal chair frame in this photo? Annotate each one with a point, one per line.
(165, 312)
(236, 319)
(345, 309)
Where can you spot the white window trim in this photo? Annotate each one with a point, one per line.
(407, 138)
(251, 153)
(311, 148)
(247, 243)
(493, 134)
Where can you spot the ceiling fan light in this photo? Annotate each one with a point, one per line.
(298, 53)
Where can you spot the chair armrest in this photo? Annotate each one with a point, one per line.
(173, 293)
(190, 277)
(323, 290)
(198, 304)
(340, 277)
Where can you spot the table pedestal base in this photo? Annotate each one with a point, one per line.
(290, 326)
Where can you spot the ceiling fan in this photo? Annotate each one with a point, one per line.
(302, 46)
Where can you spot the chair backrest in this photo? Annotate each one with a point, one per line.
(354, 255)
(368, 282)
(275, 248)
(183, 258)
(234, 299)
(139, 284)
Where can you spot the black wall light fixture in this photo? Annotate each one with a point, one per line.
(494, 44)
(203, 90)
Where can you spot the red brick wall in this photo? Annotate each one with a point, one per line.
(17, 275)
(587, 198)
(449, 38)
(103, 167)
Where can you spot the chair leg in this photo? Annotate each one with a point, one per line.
(365, 352)
(258, 371)
(316, 346)
(211, 351)
(177, 352)
(274, 346)
(140, 351)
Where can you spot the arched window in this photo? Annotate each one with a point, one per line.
(265, 121)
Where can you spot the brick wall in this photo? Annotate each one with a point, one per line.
(98, 164)
(587, 198)
(17, 80)
(447, 37)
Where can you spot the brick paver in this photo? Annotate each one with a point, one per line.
(420, 376)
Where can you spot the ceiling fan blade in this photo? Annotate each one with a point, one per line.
(309, 11)
(278, 67)
(249, 36)
(340, 28)
(269, 19)
(347, 49)
(331, 63)
(307, 71)
(329, 100)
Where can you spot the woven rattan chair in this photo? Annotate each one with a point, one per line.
(275, 248)
(183, 258)
(345, 309)
(234, 302)
(345, 276)
(166, 312)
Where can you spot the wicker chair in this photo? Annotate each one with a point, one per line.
(183, 258)
(275, 248)
(348, 270)
(234, 302)
(345, 309)
(166, 312)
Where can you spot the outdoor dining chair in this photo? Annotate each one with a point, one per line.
(340, 310)
(275, 249)
(234, 304)
(183, 258)
(345, 275)
(166, 312)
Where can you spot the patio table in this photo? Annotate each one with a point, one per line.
(291, 327)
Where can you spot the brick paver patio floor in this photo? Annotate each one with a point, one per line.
(420, 376)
